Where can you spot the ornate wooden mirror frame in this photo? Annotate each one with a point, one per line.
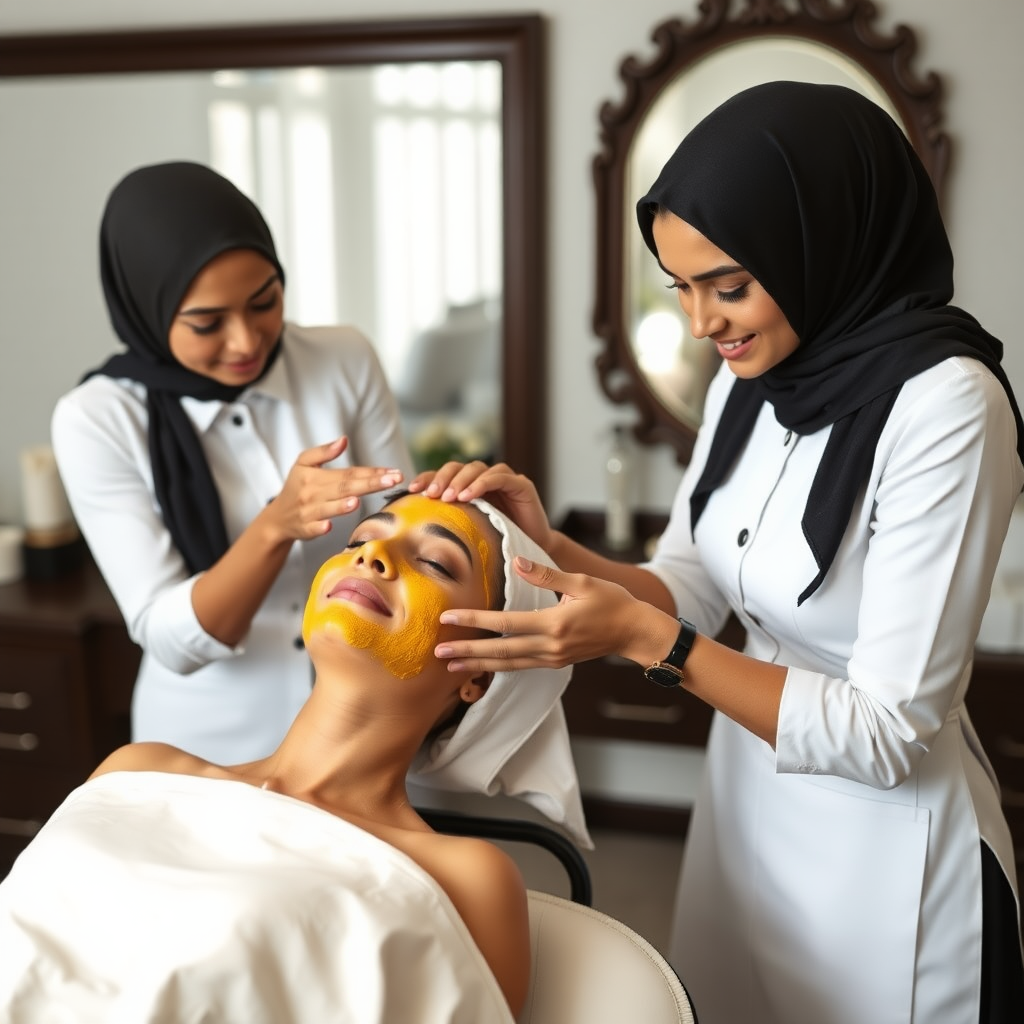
(844, 26)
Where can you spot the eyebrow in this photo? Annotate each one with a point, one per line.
(207, 310)
(434, 529)
(707, 275)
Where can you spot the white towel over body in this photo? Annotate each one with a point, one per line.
(204, 900)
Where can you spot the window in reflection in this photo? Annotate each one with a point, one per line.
(431, 133)
(392, 223)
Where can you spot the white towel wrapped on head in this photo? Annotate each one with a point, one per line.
(514, 739)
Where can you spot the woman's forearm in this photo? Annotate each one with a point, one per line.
(746, 690)
(571, 556)
(227, 596)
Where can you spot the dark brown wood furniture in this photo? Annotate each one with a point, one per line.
(67, 669)
(996, 705)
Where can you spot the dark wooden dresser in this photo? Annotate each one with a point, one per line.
(67, 669)
(996, 705)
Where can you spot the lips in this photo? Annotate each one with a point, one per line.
(731, 349)
(247, 366)
(361, 592)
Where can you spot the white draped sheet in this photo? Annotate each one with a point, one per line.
(150, 897)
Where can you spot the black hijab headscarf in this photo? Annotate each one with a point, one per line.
(816, 192)
(162, 224)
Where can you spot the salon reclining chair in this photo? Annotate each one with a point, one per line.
(587, 967)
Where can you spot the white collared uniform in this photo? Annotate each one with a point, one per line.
(836, 879)
(225, 704)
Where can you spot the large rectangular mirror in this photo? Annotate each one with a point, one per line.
(400, 165)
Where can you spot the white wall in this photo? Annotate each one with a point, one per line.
(973, 44)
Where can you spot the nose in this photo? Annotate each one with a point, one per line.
(706, 318)
(377, 556)
(244, 337)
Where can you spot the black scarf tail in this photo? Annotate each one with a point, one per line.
(851, 445)
(184, 486)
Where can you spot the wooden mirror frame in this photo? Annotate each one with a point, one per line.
(515, 41)
(846, 26)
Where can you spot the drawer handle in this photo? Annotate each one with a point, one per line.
(18, 741)
(15, 701)
(16, 827)
(1008, 748)
(649, 713)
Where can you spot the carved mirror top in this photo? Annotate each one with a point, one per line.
(648, 358)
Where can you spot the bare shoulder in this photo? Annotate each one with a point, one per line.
(486, 887)
(151, 757)
(483, 870)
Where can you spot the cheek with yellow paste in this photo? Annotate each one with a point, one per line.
(403, 651)
(406, 650)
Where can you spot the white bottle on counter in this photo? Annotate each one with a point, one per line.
(618, 521)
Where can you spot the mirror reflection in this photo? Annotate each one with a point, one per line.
(382, 185)
(677, 366)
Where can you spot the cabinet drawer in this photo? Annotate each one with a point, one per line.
(610, 698)
(40, 710)
(995, 702)
(33, 797)
(26, 801)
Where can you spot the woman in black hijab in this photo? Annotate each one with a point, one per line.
(196, 459)
(847, 500)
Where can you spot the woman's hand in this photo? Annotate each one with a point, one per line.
(312, 496)
(593, 618)
(509, 492)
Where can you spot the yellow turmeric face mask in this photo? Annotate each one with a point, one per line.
(403, 567)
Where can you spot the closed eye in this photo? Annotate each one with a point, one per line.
(439, 568)
(735, 295)
(210, 328)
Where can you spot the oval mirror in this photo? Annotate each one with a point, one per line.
(649, 357)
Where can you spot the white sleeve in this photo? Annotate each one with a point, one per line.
(98, 432)
(949, 477)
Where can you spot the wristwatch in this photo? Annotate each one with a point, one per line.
(669, 672)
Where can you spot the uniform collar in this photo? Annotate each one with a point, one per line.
(275, 386)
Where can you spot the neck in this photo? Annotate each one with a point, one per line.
(345, 756)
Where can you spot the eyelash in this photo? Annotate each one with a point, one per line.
(212, 328)
(438, 567)
(736, 295)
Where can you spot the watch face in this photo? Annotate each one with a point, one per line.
(664, 675)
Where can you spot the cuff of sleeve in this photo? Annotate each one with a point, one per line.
(801, 694)
(190, 647)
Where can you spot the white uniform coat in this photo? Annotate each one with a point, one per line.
(837, 879)
(228, 705)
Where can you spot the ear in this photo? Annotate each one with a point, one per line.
(473, 689)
